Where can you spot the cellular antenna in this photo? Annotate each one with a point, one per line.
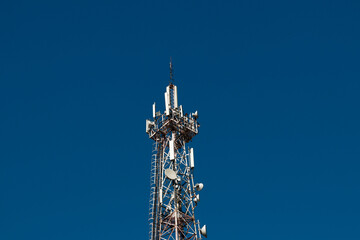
(171, 72)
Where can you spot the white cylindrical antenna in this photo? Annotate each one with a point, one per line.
(171, 150)
(167, 111)
(147, 126)
(175, 97)
(160, 196)
(181, 111)
(154, 110)
(192, 163)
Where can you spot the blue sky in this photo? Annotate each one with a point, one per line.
(276, 84)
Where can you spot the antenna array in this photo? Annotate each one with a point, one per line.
(174, 195)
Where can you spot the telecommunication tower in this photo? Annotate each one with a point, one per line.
(174, 195)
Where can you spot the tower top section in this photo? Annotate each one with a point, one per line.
(172, 119)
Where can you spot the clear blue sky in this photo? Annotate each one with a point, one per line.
(276, 83)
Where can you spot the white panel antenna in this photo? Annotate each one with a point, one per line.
(154, 110)
(192, 163)
(175, 97)
(148, 125)
(167, 103)
(171, 150)
(160, 196)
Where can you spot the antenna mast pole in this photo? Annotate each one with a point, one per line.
(171, 72)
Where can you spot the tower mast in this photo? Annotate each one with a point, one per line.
(173, 195)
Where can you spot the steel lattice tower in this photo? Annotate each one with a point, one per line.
(173, 196)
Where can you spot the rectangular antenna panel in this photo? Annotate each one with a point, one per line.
(167, 112)
(175, 97)
(181, 111)
(147, 126)
(154, 110)
(160, 196)
(171, 150)
(192, 163)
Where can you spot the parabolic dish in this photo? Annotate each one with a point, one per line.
(170, 174)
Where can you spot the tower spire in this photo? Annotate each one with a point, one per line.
(171, 72)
